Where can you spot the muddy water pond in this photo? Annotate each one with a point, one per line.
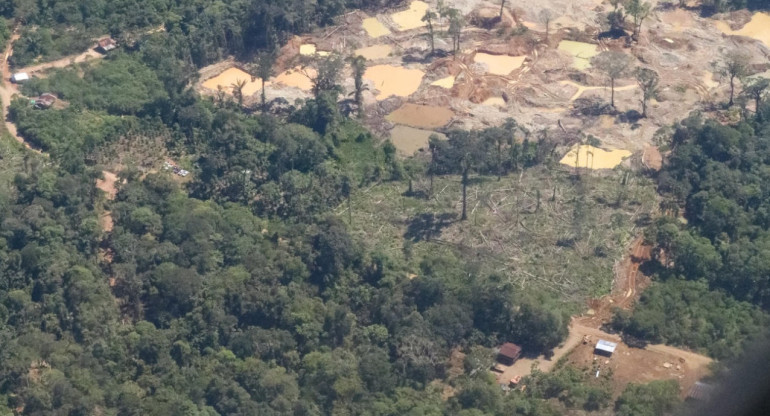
(499, 64)
(229, 77)
(408, 140)
(394, 80)
(447, 82)
(593, 157)
(298, 78)
(374, 28)
(421, 116)
(581, 52)
(758, 28)
(375, 52)
(412, 17)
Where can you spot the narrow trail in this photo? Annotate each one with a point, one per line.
(583, 88)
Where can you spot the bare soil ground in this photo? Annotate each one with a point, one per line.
(547, 90)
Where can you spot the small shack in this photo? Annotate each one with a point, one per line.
(700, 391)
(107, 44)
(19, 77)
(509, 353)
(45, 100)
(605, 348)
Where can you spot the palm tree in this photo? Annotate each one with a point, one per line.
(428, 18)
(237, 87)
(359, 67)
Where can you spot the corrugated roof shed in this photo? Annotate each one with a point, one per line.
(510, 350)
(606, 346)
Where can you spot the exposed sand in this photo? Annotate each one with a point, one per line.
(758, 28)
(411, 18)
(374, 28)
(298, 78)
(447, 82)
(581, 52)
(679, 19)
(496, 101)
(108, 184)
(499, 64)
(594, 157)
(375, 52)
(229, 77)
(582, 88)
(307, 49)
(425, 116)
(393, 80)
(409, 140)
(708, 80)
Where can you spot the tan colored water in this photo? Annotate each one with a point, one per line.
(494, 101)
(412, 17)
(298, 78)
(758, 28)
(374, 28)
(375, 52)
(581, 52)
(424, 116)
(409, 140)
(394, 80)
(307, 49)
(499, 64)
(447, 82)
(229, 77)
(593, 157)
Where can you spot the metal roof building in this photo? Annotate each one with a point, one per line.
(605, 347)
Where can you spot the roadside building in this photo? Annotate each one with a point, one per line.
(509, 353)
(20, 77)
(605, 348)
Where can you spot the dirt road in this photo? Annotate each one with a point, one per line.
(628, 283)
(63, 62)
(7, 89)
(696, 364)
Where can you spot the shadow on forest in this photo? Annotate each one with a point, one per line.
(427, 226)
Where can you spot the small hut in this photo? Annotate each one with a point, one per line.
(509, 353)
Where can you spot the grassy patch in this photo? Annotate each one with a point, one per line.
(567, 243)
